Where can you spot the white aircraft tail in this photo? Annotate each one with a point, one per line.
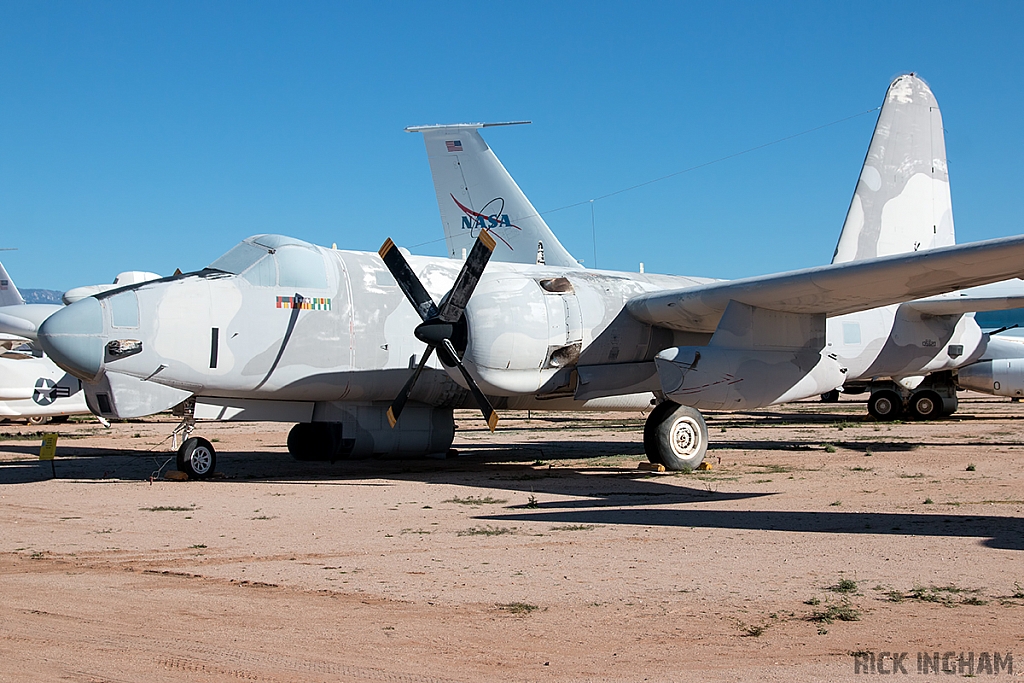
(475, 192)
(9, 294)
(902, 202)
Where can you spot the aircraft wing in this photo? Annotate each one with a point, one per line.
(24, 320)
(840, 288)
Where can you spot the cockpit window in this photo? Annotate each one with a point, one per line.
(263, 273)
(241, 256)
(301, 267)
(269, 260)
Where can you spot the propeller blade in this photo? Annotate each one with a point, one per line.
(472, 269)
(407, 280)
(481, 400)
(395, 411)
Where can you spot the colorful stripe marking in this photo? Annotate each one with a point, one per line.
(304, 303)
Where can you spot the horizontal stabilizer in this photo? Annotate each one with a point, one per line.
(840, 288)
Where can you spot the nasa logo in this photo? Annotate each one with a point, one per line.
(486, 219)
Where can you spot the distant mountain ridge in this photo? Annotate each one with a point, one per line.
(41, 296)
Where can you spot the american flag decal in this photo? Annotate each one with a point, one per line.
(453, 145)
(304, 303)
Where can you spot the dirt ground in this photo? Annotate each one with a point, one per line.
(821, 544)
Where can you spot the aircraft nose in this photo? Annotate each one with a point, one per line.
(73, 338)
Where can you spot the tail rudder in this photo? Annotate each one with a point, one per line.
(902, 201)
(9, 294)
(476, 192)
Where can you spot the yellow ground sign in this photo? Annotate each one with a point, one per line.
(49, 448)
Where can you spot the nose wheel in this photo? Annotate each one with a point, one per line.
(197, 458)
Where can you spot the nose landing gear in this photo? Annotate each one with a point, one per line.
(197, 458)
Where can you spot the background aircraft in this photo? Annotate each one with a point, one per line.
(31, 386)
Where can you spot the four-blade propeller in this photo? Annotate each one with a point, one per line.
(438, 324)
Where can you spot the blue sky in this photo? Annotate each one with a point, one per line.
(154, 136)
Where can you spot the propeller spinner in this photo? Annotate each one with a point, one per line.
(438, 324)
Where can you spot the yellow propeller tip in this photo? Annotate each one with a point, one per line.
(488, 241)
(492, 421)
(385, 248)
(392, 419)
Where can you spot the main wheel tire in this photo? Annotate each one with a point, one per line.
(37, 420)
(830, 396)
(59, 419)
(196, 458)
(885, 405)
(926, 405)
(675, 436)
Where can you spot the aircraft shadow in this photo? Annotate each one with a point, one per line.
(607, 492)
(513, 470)
(1005, 533)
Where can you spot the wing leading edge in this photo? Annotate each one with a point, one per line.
(837, 289)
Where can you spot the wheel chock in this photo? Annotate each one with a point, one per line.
(175, 475)
(704, 466)
(651, 466)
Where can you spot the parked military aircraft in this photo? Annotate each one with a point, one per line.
(341, 341)
(31, 386)
(906, 354)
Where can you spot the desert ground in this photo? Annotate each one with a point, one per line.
(821, 544)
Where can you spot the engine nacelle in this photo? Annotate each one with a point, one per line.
(1003, 377)
(521, 332)
(719, 378)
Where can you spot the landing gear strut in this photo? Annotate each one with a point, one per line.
(196, 456)
(675, 436)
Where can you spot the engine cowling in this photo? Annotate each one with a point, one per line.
(1003, 377)
(718, 378)
(521, 332)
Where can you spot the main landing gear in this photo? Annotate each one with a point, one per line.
(675, 436)
(933, 399)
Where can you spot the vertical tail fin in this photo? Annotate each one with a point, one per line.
(9, 294)
(475, 192)
(902, 201)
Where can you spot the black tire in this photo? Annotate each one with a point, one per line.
(830, 396)
(59, 419)
(885, 405)
(926, 405)
(676, 436)
(196, 458)
(39, 420)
